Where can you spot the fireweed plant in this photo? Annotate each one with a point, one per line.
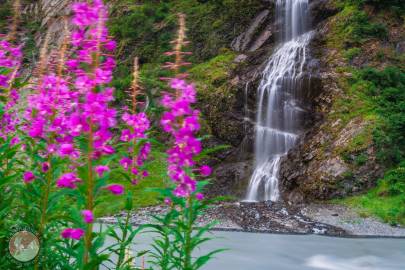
(65, 135)
(136, 147)
(68, 121)
(177, 234)
(87, 143)
(10, 62)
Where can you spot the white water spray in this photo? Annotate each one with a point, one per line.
(280, 111)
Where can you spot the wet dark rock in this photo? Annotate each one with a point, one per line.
(322, 165)
(321, 10)
(400, 48)
(242, 42)
(231, 179)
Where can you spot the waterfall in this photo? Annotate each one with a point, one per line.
(280, 108)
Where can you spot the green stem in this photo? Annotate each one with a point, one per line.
(44, 206)
(189, 231)
(122, 244)
(90, 187)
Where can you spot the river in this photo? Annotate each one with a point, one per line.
(260, 251)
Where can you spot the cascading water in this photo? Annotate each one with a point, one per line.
(280, 108)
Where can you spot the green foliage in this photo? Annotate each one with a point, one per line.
(178, 238)
(145, 29)
(395, 181)
(352, 53)
(381, 4)
(354, 27)
(386, 89)
(9, 192)
(387, 200)
(384, 93)
(213, 24)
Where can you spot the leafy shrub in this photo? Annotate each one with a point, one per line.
(395, 180)
(386, 88)
(356, 27)
(352, 53)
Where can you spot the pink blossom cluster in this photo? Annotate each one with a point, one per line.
(182, 122)
(137, 124)
(72, 233)
(47, 114)
(91, 67)
(56, 111)
(76, 103)
(10, 62)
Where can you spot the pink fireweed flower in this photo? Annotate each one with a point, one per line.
(167, 201)
(125, 135)
(205, 170)
(90, 106)
(72, 233)
(100, 170)
(199, 196)
(134, 171)
(125, 162)
(14, 140)
(66, 149)
(87, 216)
(29, 177)
(68, 180)
(116, 189)
(45, 166)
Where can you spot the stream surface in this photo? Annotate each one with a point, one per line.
(260, 251)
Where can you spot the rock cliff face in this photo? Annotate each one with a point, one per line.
(255, 47)
(50, 16)
(335, 156)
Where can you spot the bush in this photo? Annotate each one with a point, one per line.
(395, 180)
(386, 90)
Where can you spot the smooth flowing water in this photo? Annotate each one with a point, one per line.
(292, 252)
(280, 104)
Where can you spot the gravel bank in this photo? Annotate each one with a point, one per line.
(349, 220)
(326, 219)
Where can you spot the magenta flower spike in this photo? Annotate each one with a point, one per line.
(182, 122)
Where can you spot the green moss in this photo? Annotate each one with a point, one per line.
(215, 72)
